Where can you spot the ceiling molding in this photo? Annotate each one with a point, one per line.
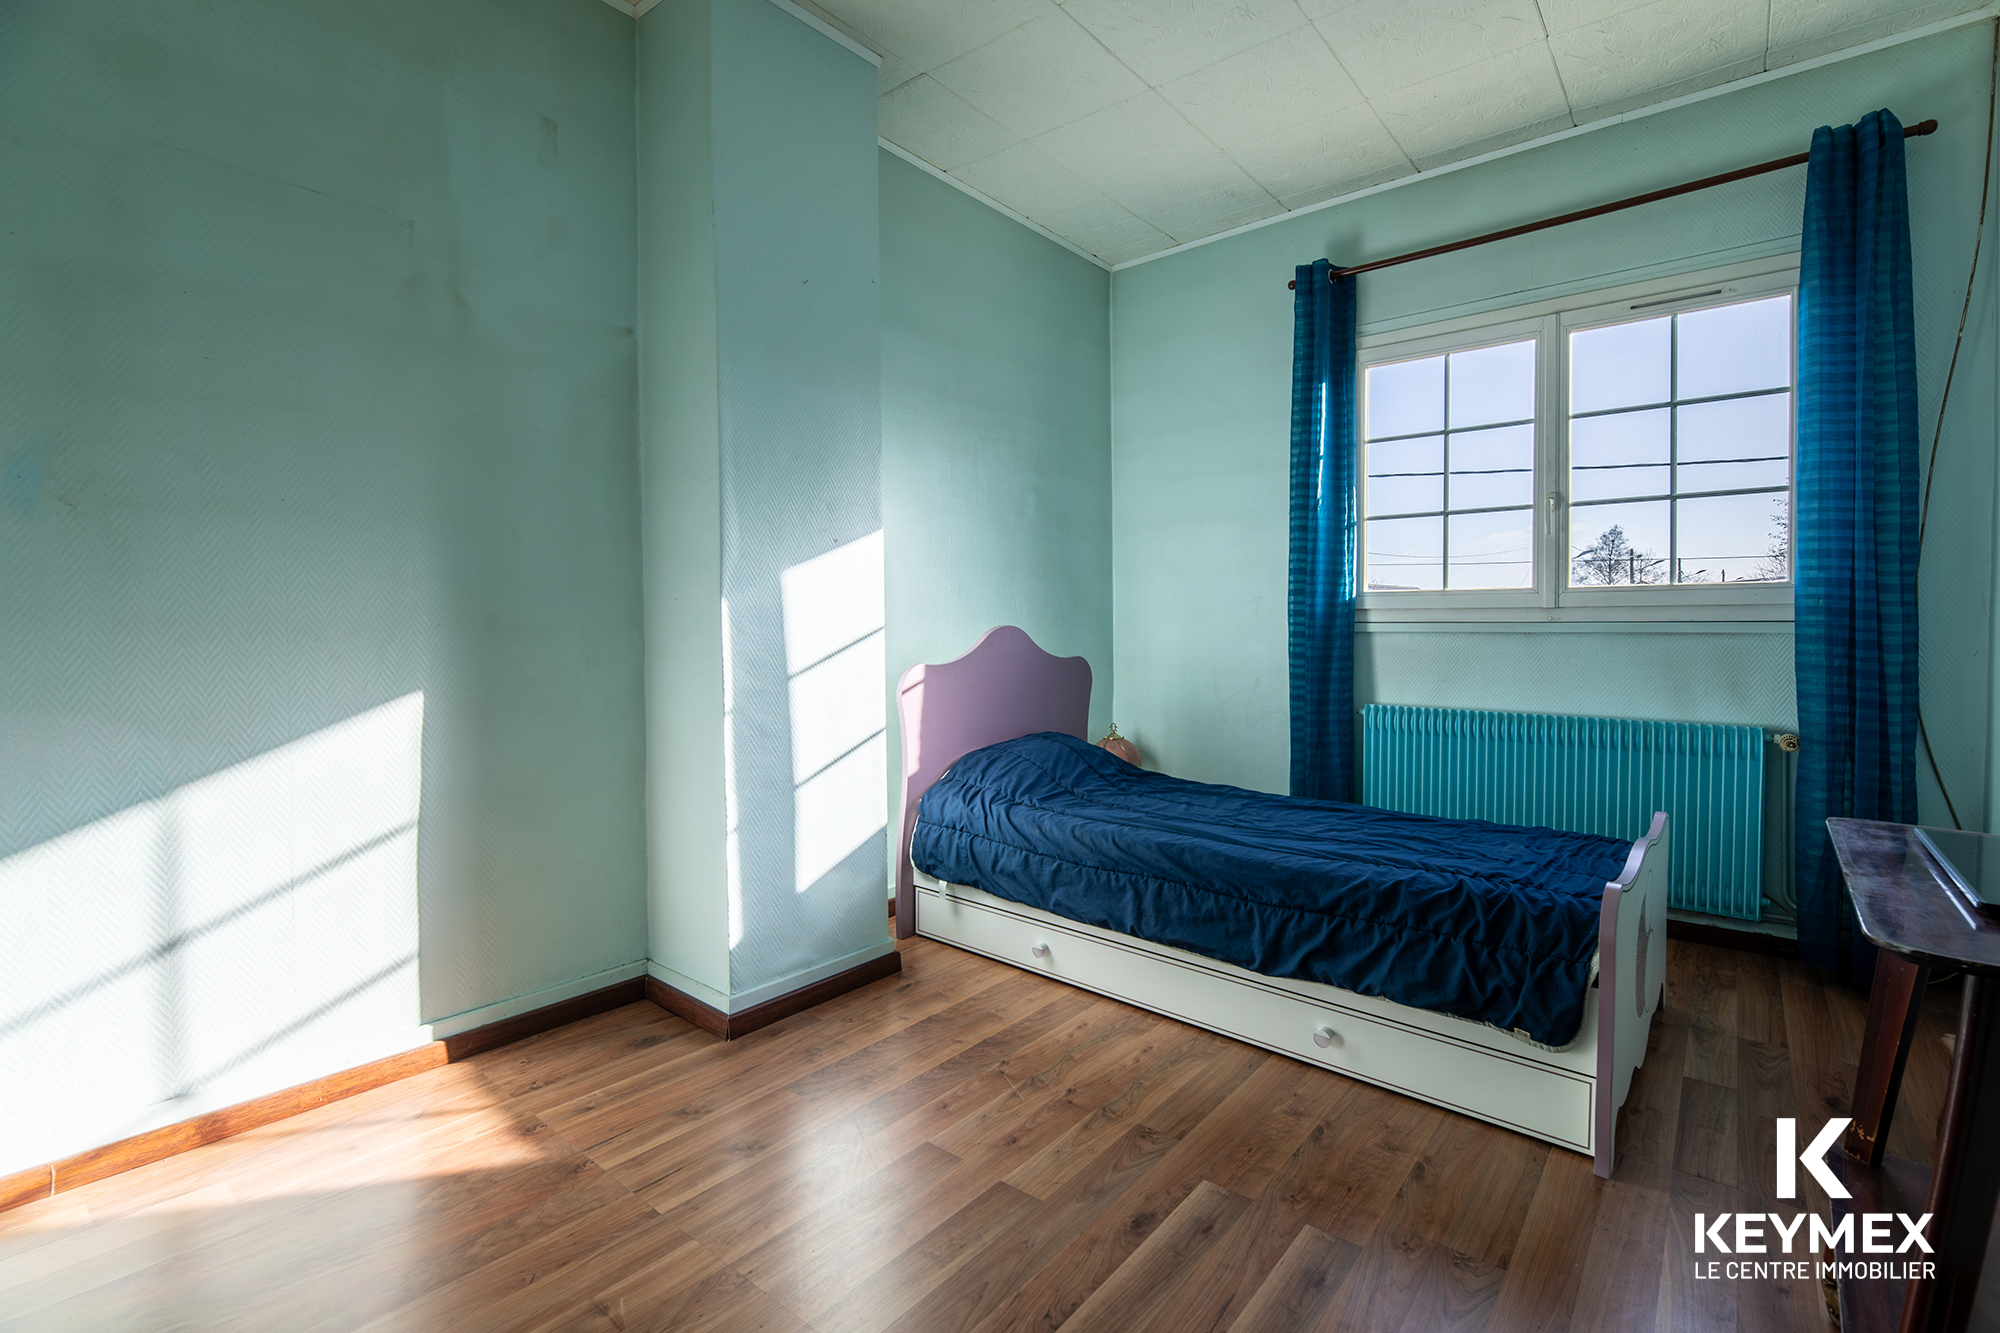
(637, 9)
(814, 21)
(990, 202)
(1987, 14)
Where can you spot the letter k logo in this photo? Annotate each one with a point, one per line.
(1813, 1158)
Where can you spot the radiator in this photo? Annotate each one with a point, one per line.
(1588, 775)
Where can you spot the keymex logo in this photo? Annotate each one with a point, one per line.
(1772, 1233)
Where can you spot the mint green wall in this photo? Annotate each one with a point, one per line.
(760, 375)
(1201, 359)
(798, 309)
(996, 460)
(680, 492)
(317, 393)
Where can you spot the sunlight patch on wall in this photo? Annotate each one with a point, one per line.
(732, 842)
(229, 931)
(835, 659)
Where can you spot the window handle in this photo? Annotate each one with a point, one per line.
(1549, 515)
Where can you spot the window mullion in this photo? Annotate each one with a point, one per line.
(1552, 459)
(1673, 450)
(1444, 484)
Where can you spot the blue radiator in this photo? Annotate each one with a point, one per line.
(1589, 775)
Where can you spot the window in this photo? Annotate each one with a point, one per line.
(1451, 470)
(1680, 446)
(1630, 449)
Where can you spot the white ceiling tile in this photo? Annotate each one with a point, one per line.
(1563, 15)
(1801, 29)
(1165, 39)
(928, 120)
(1253, 210)
(1625, 59)
(1335, 189)
(1146, 156)
(1030, 182)
(1040, 75)
(1286, 81)
(1621, 102)
(1129, 252)
(893, 72)
(1392, 44)
(1256, 111)
(1319, 9)
(1512, 94)
(1107, 230)
(1336, 153)
(927, 33)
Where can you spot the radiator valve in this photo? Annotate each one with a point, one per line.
(1786, 741)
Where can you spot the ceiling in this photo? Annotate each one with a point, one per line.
(1128, 126)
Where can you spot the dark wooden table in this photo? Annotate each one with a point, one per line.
(1904, 907)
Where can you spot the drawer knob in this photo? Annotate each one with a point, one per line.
(1324, 1037)
(1040, 951)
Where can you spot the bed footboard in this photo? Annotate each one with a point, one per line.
(1631, 973)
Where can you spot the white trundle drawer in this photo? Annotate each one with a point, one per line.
(1516, 1092)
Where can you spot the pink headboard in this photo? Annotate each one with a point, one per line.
(1005, 687)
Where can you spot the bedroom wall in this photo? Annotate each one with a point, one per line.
(1201, 357)
(320, 688)
(760, 375)
(996, 450)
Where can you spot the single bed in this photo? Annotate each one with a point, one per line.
(1509, 974)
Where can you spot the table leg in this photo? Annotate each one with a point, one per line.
(1893, 1005)
(1966, 1182)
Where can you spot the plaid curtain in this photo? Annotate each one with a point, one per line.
(1324, 520)
(1855, 536)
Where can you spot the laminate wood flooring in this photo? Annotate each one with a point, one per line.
(968, 1147)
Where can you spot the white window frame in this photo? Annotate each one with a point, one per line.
(1551, 322)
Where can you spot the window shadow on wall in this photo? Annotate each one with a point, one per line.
(249, 929)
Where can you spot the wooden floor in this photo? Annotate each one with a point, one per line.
(966, 1146)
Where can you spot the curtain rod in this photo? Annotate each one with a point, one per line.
(1778, 164)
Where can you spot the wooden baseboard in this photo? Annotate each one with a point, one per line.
(39, 1182)
(470, 1043)
(716, 1023)
(1749, 941)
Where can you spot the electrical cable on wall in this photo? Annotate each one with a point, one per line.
(1944, 399)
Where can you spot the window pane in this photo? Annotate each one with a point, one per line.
(1423, 454)
(1734, 348)
(1493, 384)
(1733, 538)
(1406, 495)
(1731, 476)
(1612, 457)
(1620, 366)
(1736, 430)
(1493, 467)
(1406, 476)
(1618, 544)
(1493, 550)
(1405, 397)
(1403, 553)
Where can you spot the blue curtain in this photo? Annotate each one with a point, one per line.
(1321, 586)
(1855, 533)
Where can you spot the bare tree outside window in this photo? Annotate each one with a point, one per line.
(1777, 562)
(1613, 560)
(1680, 435)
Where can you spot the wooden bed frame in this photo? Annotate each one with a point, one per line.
(1008, 687)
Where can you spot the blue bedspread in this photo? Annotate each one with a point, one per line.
(1486, 921)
